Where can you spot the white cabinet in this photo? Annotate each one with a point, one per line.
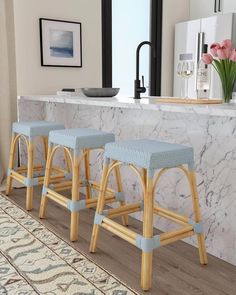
(201, 8)
(228, 6)
(205, 8)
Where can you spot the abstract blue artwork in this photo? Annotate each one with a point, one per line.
(61, 44)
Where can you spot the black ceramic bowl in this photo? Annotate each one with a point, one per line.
(100, 92)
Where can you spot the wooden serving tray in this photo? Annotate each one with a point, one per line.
(189, 101)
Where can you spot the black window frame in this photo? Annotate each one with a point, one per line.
(155, 38)
(106, 43)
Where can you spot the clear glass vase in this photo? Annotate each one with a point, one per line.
(227, 91)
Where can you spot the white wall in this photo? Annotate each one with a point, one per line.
(173, 11)
(34, 79)
(7, 81)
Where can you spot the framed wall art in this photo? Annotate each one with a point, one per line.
(61, 43)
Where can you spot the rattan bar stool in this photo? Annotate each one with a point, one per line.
(149, 155)
(31, 174)
(77, 144)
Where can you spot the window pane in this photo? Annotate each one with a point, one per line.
(130, 26)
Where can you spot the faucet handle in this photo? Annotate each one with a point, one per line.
(142, 88)
(143, 81)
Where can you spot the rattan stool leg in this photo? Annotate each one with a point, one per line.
(100, 206)
(125, 220)
(44, 198)
(87, 173)
(67, 160)
(11, 165)
(197, 213)
(75, 197)
(30, 173)
(45, 147)
(146, 272)
(144, 174)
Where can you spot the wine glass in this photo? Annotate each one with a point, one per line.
(180, 74)
(187, 72)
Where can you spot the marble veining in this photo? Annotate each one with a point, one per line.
(148, 103)
(212, 135)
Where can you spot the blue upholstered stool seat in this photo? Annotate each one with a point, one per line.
(150, 154)
(35, 128)
(81, 138)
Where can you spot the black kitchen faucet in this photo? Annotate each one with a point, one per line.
(137, 87)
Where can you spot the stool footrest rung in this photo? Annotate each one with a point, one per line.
(171, 215)
(38, 168)
(35, 180)
(145, 244)
(90, 203)
(96, 185)
(74, 206)
(40, 180)
(61, 189)
(60, 176)
(61, 186)
(175, 233)
(123, 210)
(58, 170)
(23, 169)
(171, 218)
(56, 197)
(17, 176)
(121, 231)
(119, 234)
(176, 238)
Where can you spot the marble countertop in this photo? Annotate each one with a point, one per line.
(146, 103)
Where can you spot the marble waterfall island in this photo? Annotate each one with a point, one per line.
(209, 129)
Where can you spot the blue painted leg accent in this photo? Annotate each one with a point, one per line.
(98, 218)
(148, 245)
(75, 206)
(44, 191)
(197, 226)
(30, 182)
(120, 196)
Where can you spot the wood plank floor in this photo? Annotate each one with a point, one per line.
(176, 267)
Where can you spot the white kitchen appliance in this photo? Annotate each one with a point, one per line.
(189, 40)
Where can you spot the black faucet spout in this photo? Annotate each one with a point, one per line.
(138, 89)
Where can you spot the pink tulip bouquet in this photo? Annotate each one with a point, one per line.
(223, 59)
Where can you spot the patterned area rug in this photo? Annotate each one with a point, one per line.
(34, 260)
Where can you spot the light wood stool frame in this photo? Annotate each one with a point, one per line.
(103, 218)
(75, 162)
(25, 174)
